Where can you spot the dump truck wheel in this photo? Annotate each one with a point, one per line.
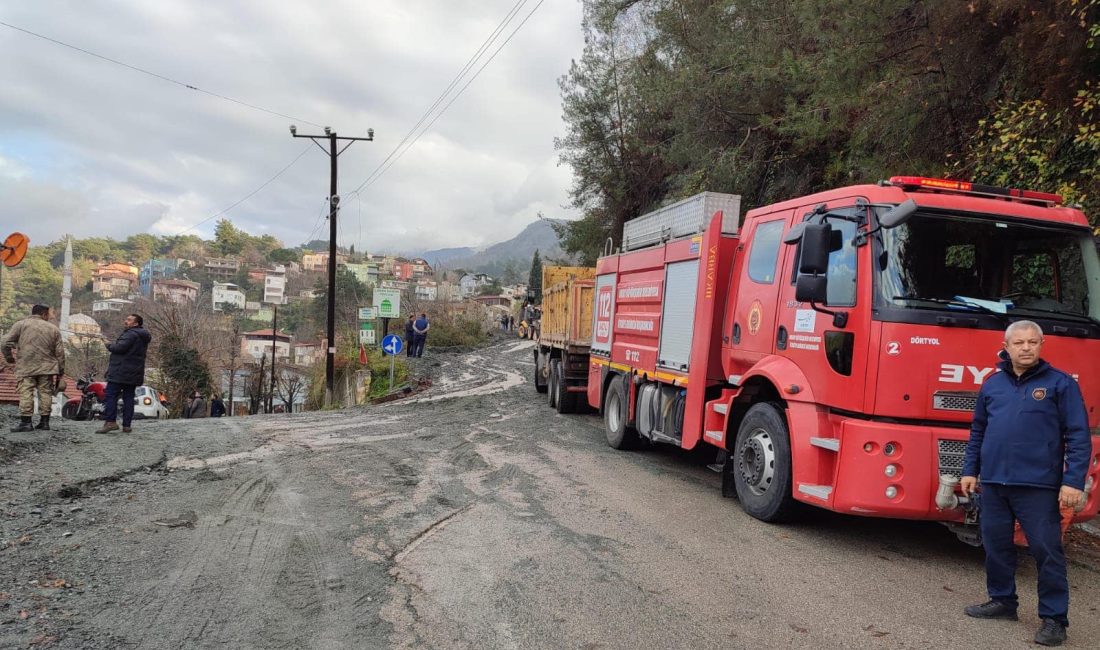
(540, 387)
(566, 401)
(555, 370)
(762, 464)
(619, 434)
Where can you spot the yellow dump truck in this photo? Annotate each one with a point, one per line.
(565, 333)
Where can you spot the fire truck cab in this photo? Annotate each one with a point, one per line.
(833, 346)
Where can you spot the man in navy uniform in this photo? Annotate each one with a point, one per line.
(1029, 443)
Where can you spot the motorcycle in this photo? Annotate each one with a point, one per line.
(89, 405)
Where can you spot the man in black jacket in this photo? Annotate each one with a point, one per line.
(125, 372)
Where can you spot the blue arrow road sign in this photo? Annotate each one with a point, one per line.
(392, 344)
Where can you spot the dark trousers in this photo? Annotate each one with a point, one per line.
(409, 345)
(1037, 511)
(418, 344)
(111, 406)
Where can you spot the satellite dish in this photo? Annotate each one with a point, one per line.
(14, 249)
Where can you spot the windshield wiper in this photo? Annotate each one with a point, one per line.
(1064, 314)
(952, 303)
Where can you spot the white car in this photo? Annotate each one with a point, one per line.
(147, 404)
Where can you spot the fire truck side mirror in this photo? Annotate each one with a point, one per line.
(898, 214)
(811, 289)
(817, 242)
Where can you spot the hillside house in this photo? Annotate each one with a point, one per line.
(154, 270)
(226, 293)
(114, 280)
(221, 267)
(258, 343)
(177, 291)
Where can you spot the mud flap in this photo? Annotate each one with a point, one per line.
(729, 487)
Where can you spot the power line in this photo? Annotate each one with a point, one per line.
(247, 196)
(320, 220)
(462, 72)
(154, 74)
(391, 158)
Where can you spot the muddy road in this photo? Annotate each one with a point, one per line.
(470, 516)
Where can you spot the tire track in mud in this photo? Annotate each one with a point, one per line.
(258, 547)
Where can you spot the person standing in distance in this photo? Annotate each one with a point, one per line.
(38, 366)
(420, 334)
(410, 336)
(1029, 444)
(125, 372)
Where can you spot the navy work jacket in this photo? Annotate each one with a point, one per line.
(1031, 430)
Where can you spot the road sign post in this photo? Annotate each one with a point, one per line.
(392, 345)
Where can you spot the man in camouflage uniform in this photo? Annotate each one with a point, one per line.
(39, 363)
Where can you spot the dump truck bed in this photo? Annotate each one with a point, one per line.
(567, 307)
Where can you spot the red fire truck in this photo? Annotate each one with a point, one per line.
(832, 349)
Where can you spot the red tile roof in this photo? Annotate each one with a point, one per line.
(9, 394)
(267, 333)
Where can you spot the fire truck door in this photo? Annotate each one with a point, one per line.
(749, 330)
(832, 357)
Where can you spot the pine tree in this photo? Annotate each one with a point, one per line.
(534, 279)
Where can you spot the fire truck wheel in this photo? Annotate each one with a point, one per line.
(540, 387)
(555, 370)
(566, 401)
(619, 435)
(762, 464)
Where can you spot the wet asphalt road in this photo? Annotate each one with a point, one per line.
(471, 516)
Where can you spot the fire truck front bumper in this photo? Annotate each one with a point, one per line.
(910, 472)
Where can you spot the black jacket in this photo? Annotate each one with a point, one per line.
(127, 364)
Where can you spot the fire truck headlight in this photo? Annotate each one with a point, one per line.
(891, 471)
(869, 447)
(890, 448)
(891, 492)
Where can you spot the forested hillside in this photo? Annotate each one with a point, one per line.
(771, 99)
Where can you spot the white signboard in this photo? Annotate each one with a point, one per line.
(368, 313)
(366, 337)
(805, 320)
(388, 303)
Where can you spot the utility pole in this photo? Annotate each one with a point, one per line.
(334, 206)
(274, 331)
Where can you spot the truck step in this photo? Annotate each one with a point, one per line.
(832, 444)
(816, 491)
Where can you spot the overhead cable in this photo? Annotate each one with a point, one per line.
(394, 156)
(158, 76)
(249, 195)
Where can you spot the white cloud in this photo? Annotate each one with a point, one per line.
(93, 148)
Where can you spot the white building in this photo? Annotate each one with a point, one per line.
(257, 344)
(275, 285)
(111, 306)
(226, 293)
(426, 291)
(471, 282)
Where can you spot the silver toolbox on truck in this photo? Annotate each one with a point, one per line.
(686, 217)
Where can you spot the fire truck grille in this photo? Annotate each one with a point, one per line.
(951, 400)
(951, 457)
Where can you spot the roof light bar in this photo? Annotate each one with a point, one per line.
(965, 187)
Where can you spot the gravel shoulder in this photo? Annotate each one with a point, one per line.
(468, 516)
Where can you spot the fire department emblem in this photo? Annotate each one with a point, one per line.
(1039, 394)
(756, 315)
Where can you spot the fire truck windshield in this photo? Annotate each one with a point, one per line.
(983, 264)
